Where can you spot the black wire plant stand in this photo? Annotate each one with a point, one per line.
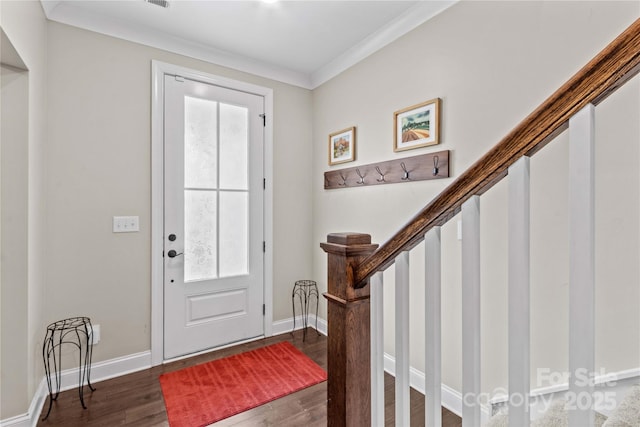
(305, 290)
(76, 331)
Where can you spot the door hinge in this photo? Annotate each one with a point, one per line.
(180, 79)
(264, 183)
(264, 246)
(264, 120)
(264, 309)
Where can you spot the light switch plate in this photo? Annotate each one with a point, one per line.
(126, 224)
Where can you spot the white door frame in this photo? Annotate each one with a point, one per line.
(158, 70)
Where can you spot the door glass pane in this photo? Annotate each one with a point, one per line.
(234, 134)
(200, 233)
(200, 142)
(234, 233)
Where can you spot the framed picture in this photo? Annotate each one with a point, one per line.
(417, 126)
(342, 146)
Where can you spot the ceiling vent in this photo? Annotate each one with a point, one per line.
(162, 3)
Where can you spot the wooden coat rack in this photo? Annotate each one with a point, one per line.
(408, 169)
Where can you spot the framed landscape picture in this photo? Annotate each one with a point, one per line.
(417, 126)
(342, 146)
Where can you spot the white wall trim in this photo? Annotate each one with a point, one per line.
(617, 383)
(124, 365)
(286, 325)
(412, 18)
(19, 421)
(409, 20)
(157, 213)
(599, 380)
(90, 21)
(100, 371)
(158, 70)
(108, 369)
(451, 398)
(268, 213)
(37, 403)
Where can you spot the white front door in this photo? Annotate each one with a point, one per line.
(213, 212)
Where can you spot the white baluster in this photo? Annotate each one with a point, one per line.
(433, 355)
(402, 339)
(377, 351)
(471, 312)
(519, 279)
(581, 263)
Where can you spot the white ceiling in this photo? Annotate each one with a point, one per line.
(302, 42)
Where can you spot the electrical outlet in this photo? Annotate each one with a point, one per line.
(94, 334)
(126, 224)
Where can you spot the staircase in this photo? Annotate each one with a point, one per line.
(355, 267)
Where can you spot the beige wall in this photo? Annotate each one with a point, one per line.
(492, 63)
(14, 248)
(22, 288)
(99, 157)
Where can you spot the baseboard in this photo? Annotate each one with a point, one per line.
(100, 371)
(286, 325)
(617, 383)
(17, 421)
(23, 420)
(119, 366)
(108, 369)
(451, 398)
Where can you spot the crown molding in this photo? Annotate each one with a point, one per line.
(48, 6)
(61, 12)
(80, 18)
(408, 21)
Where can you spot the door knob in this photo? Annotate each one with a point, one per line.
(173, 254)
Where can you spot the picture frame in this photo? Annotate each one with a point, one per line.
(417, 126)
(342, 146)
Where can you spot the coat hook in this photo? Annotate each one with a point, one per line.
(381, 179)
(435, 165)
(344, 180)
(361, 176)
(406, 172)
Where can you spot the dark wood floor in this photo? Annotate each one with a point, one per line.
(136, 399)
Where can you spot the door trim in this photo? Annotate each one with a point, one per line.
(158, 70)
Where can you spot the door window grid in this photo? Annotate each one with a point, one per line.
(217, 250)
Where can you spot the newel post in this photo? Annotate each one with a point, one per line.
(349, 355)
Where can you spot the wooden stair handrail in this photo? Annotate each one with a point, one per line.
(609, 70)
